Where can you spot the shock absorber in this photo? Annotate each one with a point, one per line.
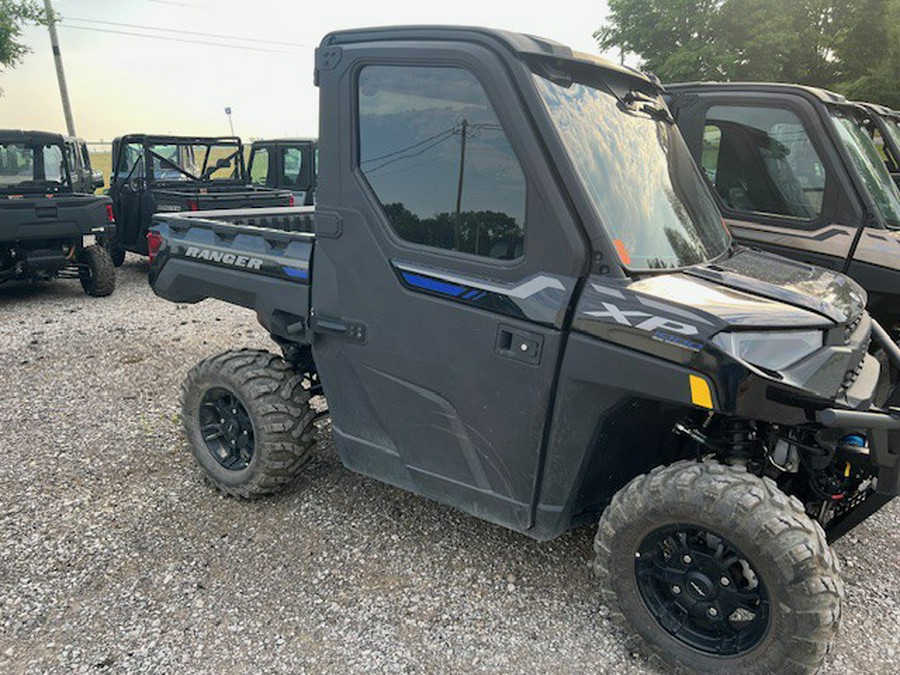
(740, 440)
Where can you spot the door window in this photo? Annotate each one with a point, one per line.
(131, 162)
(291, 166)
(762, 160)
(437, 158)
(259, 166)
(85, 157)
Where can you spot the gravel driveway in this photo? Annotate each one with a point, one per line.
(115, 556)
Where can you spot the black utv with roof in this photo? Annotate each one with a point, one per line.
(168, 174)
(519, 299)
(286, 164)
(47, 229)
(794, 173)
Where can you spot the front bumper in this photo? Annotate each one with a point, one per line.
(881, 425)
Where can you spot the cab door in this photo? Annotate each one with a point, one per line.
(445, 263)
(777, 177)
(128, 181)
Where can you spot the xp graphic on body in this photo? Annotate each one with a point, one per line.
(178, 173)
(519, 299)
(795, 173)
(48, 228)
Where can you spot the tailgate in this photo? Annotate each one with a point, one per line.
(51, 218)
(258, 268)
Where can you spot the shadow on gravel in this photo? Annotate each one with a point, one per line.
(133, 272)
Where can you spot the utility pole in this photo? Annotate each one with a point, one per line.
(230, 125)
(60, 73)
(457, 235)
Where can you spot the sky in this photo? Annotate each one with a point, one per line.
(125, 83)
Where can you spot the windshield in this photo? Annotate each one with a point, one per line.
(638, 173)
(26, 165)
(869, 165)
(196, 162)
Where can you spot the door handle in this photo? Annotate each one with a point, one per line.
(520, 345)
(349, 329)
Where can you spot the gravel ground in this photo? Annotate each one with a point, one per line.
(115, 556)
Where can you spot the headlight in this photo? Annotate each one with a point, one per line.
(773, 350)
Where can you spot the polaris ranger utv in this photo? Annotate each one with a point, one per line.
(47, 229)
(178, 173)
(794, 173)
(520, 299)
(285, 164)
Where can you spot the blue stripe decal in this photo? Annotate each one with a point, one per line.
(433, 284)
(295, 273)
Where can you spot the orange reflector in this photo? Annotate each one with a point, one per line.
(700, 393)
(622, 251)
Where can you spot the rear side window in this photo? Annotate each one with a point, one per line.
(54, 164)
(762, 160)
(259, 166)
(437, 158)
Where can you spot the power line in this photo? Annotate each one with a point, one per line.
(174, 39)
(187, 32)
(180, 4)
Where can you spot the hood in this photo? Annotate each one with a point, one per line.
(791, 284)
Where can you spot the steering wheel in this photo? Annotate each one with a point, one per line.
(135, 183)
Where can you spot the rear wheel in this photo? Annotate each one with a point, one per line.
(248, 420)
(96, 271)
(714, 569)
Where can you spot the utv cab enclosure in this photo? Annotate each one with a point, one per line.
(287, 164)
(178, 173)
(47, 228)
(794, 173)
(519, 299)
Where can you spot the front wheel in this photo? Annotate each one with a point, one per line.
(96, 271)
(714, 569)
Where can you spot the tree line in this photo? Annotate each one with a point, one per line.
(848, 46)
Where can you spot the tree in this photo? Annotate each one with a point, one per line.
(14, 15)
(870, 53)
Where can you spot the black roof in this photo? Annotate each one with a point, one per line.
(23, 136)
(762, 87)
(878, 109)
(263, 141)
(518, 43)
(160, 139)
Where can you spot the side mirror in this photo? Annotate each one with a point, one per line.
(97, 180)
(223, 163)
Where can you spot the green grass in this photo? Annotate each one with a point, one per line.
(102, 161)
